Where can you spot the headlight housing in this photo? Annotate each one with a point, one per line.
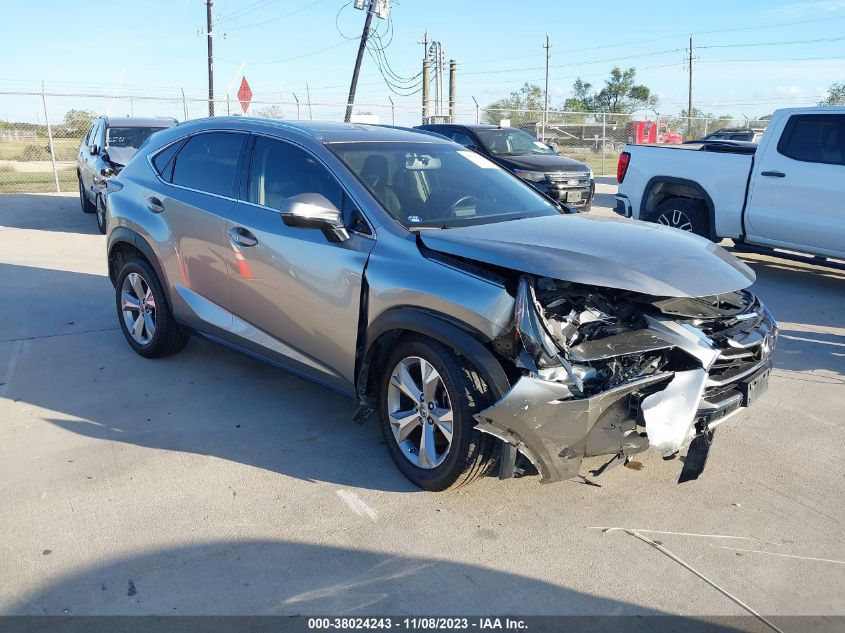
(531, 176)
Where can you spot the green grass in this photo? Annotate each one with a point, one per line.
(36, 182)
(65, 149)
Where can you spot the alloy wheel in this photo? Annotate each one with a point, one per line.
(138, 306)
(420, 412)
(676, 219)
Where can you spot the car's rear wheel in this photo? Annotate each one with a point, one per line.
(684, 214)
(87, 207)
(428, 396)
(101, 214)
(143, 313)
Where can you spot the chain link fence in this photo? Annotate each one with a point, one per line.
(41, 133)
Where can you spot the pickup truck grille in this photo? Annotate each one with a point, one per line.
(583, 177)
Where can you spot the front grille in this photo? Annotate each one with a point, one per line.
(563, 177)
(745, 342)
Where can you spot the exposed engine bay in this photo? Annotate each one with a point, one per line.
(614, 372)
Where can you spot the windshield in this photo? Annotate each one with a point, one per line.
(433, 185)
(129, 136)
(511, 142)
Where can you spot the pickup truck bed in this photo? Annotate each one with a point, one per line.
(785, 193)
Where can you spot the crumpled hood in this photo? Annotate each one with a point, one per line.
(607, 252)
(120, 155)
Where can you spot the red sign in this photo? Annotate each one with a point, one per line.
(244, 94)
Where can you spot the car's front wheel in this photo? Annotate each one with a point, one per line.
(101, 214)
(428, 396)
(87, 207)
(143, 313)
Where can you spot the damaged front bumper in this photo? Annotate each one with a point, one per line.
(555, 425)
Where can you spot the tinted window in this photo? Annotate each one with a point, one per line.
(463, 139)
(163, 161)
(429, 184)
(511, 142)
(280, 170)
(815, 139)
(208, 162)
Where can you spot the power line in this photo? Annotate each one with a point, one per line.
(824, 39)
(276, 19)
(246, 10)
(288, 59)
(658, 39)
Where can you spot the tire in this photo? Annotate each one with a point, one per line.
(684, 214)
(87, 207)
(469, 453)
(166, 337)
(100, 207)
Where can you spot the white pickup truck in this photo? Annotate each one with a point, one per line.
(787, 192)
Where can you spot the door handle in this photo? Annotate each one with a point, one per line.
(154, 204)
(242, 236)
(775, 174)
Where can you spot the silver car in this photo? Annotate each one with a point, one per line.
(490, 331)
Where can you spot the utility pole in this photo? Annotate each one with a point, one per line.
(425, 78)
(361, 47)
(426, 71)
(689, 103)
(548, 48)
(453, 71)
(208, 4)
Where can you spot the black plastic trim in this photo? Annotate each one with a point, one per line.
(441, 328)
(711, 213)
(123, 235)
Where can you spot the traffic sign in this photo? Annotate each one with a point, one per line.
(245, 94)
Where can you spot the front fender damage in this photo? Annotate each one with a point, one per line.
(600, 377)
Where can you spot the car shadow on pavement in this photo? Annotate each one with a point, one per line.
(209, 400)
(284, 578)
(206, 400)
(59, 213)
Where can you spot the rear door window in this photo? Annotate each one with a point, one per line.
(814, 138)
(209, 162)
(463, 139)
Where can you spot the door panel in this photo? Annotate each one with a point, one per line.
(798, 187)
(292, 284)
(194, 208)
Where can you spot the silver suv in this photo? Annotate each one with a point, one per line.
(490, 331)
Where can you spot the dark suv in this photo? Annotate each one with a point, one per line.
(105, 149)
(563, 179)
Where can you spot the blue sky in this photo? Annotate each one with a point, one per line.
(153, 44)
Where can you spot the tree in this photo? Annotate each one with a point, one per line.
(835, 94)
(522, 106)
(619, 95)
(270, 112)
(77, 122)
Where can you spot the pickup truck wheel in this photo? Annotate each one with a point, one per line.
(428, 396)
(683, 214)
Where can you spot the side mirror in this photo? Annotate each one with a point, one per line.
(93, 149)
(473, 147)
(314, 211)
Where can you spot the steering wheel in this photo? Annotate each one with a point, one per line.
(463, 199)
